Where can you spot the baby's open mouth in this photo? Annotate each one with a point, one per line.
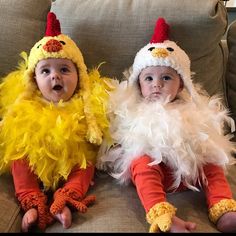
(57, 87)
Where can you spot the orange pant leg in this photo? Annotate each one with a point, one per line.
(25, 181)
(27, 191)
(150, 181)
(79, 180)
(217, 187)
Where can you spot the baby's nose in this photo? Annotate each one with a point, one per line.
(158, 83)
(55, 76)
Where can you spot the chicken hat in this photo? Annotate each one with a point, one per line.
(160, 51)
(57, 45)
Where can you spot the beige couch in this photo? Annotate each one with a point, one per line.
(113, 31)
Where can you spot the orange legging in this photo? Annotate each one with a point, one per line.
(29, 194)
(26, 182)
(152, 182)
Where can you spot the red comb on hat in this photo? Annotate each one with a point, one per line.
(53, 25)
(160, 32)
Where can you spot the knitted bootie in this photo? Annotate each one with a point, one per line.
(220, 208)
(66, 196)
(160, 217)
(38, 201)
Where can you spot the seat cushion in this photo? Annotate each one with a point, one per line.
(118, 208)
(9, 208)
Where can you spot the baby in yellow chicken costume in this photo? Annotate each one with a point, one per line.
(53, 121)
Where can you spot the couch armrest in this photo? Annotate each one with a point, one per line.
(231, 69)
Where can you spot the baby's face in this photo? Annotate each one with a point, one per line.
(160, 83)
(56, 78)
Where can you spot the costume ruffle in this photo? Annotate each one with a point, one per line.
(183, 134)
(52, 137)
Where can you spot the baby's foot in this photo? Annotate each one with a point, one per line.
(227, 222)
(65, 217)
(181, 226)
(29, 219)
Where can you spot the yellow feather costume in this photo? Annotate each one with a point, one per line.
(53, 137)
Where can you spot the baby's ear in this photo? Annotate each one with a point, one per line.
(181, 85)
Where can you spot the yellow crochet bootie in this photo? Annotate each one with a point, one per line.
(160, 217)
(221, 207)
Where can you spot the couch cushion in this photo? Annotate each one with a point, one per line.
(9, 208)
(22, 24)
(113, 31)
(231, 69)
(118, 208)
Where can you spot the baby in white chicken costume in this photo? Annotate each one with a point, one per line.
(168, 135)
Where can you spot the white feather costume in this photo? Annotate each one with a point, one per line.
(182, 134)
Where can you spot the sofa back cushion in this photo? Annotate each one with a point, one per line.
(22, 24)
(114, 30)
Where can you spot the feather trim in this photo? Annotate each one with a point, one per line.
(182, 134)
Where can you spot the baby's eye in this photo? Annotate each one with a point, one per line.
(166, 77)
(149, 78)
(45, 71)
(64, 70)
